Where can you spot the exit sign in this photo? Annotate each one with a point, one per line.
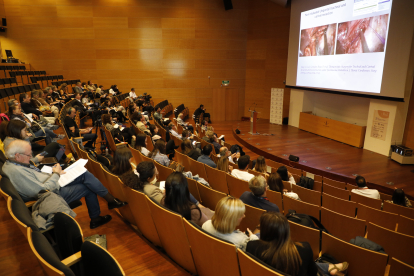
(225, 83)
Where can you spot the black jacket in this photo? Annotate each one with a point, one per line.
(28, 108)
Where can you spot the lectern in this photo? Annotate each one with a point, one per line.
(253, 119)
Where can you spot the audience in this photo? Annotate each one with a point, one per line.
(158, 153)
(29, 181)
(122, 161)
(261, 166)
(363, 189)
(228, 215)
(399, 198)
(257, 197)
(141, 144)
(276, 249)
(223, 165)
(205, 157)
(275, 183)
(177, 198)
(286, 176)
(242, 172)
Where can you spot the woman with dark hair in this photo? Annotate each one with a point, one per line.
(261, 166)
(118, 132)
(223, 164)
(286, 175)
(16, 129)
(141, 144)
(158, 153)
(398, 197)
(187, 149)
(275, 183)
(177, 198)
(135, 117)
(276, 249)
(122, 161)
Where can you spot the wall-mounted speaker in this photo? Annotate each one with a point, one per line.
(4, 22)
(228, 5)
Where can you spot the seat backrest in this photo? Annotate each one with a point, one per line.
(8, 190)
(362, 261)
(274, 165)
(46, 255)
(308, 196)
(383, 196)
(172, 234)
(142, 214)
(137, 155)
(405, 225)
(163, 171)
(381, 218)
(193, 188)
(110, 139)
(212, 256)
(217, 179)
(236, 186)
(249, 265)
(398, 268)
(398, 209)
(252, 218)
(395, 244)
(317, 186)
(344, 207)
(98, 261)
(276, 198)
(197, 168)
(183, 160)
(150, 145)
(294, 170)
(336, 192)
(21, 215)
(99, 173)
(301, 233)
(341, 226)
(300, 207)
(367, 201)
(337, 184)
(209, 197)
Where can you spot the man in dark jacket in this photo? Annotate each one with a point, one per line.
(257, 197)
(198, 112)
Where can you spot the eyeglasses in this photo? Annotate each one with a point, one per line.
(31, 155)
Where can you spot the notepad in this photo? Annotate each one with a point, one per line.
(72, 172)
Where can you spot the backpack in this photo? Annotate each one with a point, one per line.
(306, 182)
(306, 220)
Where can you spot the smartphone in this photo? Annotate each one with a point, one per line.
(43, 153)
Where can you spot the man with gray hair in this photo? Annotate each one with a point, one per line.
(225, 152)
(257, 197)
(29, 181)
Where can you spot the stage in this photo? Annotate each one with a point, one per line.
(322, 156)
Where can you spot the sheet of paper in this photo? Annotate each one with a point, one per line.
(71, 175)
(162, 185)
(116, 126)
(47, 169)
(221, 137)
(310, 175)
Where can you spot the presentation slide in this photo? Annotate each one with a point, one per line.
(342, 46)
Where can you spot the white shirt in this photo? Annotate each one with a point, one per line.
(372, 193)
(132, 94)
(243, 175)
(111, 91)
(173, 132)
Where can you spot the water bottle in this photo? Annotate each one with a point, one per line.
(106, 151)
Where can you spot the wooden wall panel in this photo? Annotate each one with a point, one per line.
(167, 48)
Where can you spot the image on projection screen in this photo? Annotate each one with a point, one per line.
(318, 41)
(342, 46)
(363, 35)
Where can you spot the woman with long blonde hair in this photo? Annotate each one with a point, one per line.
(229, 213)
(277, 249)
(261, 166)
(223, 164)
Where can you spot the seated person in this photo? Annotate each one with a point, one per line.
(363, 189)
(226, 153)
(275, 183)
(132, 94)
(28, 108)
(204, 125)
(185, 125)
(200, 110)
(257, 197)
(159, 153)
(260, 165)
(141, 124)
(399, 198)
(173, 130)
(177, 199)
(141, 144)
(158, 116)
(187, 149)
(286, 176)
(155, 135)
(276, 249)
(229, 213)
(242, 171)
(122, 161)
(84, 111)
(224, 165)
(216, 144)
(205, 157)
(209, 136)
(125, 134)
(74, 131)
(29, 181)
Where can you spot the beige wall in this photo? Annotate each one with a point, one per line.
(164, 47)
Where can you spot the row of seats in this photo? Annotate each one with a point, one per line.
(12, 67)
(68, 82)
(13, 74)
(8, 81)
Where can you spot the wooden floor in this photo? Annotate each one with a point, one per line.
(319, 153)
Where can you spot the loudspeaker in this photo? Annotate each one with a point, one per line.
(2, 29)
(293, 158)
(4, 22)
(228, 5)
(285, 121)
(237, 131)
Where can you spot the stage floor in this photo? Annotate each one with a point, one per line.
(323, 156)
